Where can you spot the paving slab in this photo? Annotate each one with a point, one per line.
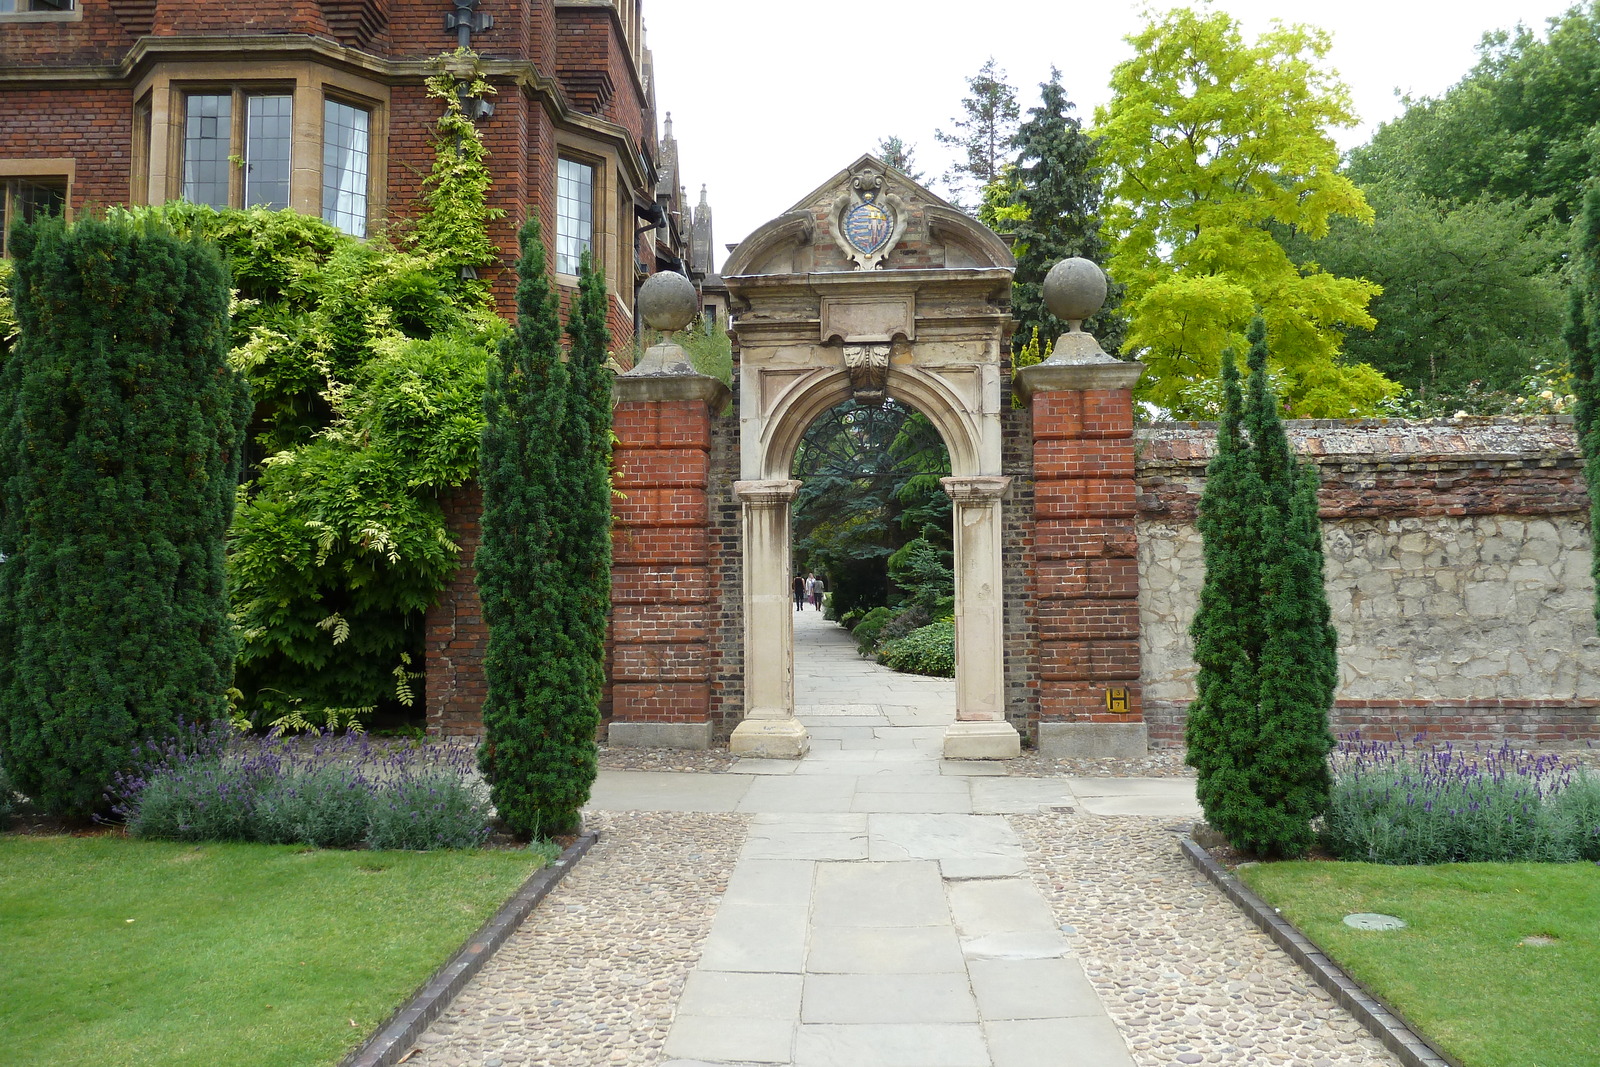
(904, 802)
(756, 937)
(1004, 918)
(904, 998)
(799, 794)
(974, 840)
(1032, 989)
(890, 1045)
(739, 994)
(724, 1039)
(879, 894)
(883, 950)
(1005, 796)
(1084, 1041)
(757, 765)
(763, 881)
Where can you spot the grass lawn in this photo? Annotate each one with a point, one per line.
(119, 952)
(1459, 971)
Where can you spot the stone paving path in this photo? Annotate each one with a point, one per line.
(874, 905)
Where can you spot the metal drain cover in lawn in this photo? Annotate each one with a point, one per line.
(1370, 921)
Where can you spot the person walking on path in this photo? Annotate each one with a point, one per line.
(813, 591)
(799, 592)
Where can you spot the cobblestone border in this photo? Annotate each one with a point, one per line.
(401, 1030)
(1384, 1022)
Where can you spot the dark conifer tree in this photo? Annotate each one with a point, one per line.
(1582, 335)
(1264, 641)
(543, 568)
(121, 430)
(1061, 188)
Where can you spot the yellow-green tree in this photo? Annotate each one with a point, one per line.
(1210, 142)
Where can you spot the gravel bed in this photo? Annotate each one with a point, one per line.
(706, 761)
(591, 978)
(1158, 763)
(1185, 976)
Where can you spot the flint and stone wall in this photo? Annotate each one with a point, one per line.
(1458, 574)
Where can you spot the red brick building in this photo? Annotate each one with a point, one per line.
(320, 105)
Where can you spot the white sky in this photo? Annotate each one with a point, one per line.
(771, 97)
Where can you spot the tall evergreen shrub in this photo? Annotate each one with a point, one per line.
(121, 430)
(1582, 335)
(544, 564)
(1266, 648)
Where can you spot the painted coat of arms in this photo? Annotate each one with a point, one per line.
(868, 221)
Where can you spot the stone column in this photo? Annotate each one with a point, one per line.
(980, 730)
(769, 727)
(1086, 548)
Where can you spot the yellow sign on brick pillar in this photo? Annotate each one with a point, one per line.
(1117, 701)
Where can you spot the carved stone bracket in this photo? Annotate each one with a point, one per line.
(868, 367)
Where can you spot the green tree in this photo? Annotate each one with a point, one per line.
(1470, 293)
(870, 483)
(1523, 123)
(1267, 652)
(542, 569)
(898, 154)
(1058, 190)
(1582, 335)
(1209, 141)
(121, 429)
(983, 131)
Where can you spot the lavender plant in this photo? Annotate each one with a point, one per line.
(1412, 804)
(321, 789)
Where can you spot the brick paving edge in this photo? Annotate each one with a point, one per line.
(394, 1039)
(1386, 1024)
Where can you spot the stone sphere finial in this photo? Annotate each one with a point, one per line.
(667, 301)
(1074, 290)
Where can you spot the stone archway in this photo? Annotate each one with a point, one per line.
(871, 287)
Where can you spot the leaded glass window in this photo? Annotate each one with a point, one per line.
(574, 214)
(268, 137)
(345, 155)
(208, 132)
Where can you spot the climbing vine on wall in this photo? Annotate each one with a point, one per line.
(454, 230)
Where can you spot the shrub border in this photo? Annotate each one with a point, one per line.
(395, 1037)
(1386, 1024)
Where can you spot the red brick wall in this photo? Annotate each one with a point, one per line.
(663, 589)
(1085, 555)
(92, 126)
(98, 37)
(182, 18)
(455, 634)
(1490, 720)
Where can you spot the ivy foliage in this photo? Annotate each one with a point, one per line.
(544, 568)
(1263, 640)
(367, 370)
(121, 430)
(454, 231)
(1582, 335)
